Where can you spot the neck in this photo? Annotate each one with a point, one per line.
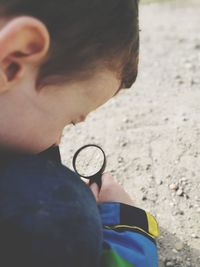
(22, 129)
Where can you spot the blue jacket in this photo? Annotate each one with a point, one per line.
(129, 236)
(128, 232)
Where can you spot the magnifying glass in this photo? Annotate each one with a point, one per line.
(90, 162)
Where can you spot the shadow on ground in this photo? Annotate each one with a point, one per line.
(178, 253)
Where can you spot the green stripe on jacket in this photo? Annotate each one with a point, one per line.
(111, 259)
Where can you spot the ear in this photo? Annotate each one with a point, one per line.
(23, 41)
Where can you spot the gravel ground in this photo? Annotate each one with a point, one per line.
(151, 133)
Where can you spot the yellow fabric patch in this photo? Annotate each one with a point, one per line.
(153, 225)
(128, 227)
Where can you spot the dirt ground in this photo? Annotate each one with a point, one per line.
(151, 133)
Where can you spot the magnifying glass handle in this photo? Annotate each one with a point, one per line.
(96, 180)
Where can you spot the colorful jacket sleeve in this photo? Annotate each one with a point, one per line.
(129, 236)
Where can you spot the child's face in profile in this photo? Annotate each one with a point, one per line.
(33, 119)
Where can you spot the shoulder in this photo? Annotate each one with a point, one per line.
(32, 179)
(39, 167)
(42, 205)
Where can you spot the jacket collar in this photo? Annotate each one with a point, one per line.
(52, 153)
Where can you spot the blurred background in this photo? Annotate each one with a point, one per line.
(151, 133)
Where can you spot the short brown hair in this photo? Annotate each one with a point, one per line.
(84, 34)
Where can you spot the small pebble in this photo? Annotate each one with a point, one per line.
(179, 193)
(194, 236)
(126, 120)
(181, 212)
(144, 198)
(185, 119)
(159, 182)
(166, 119)
(183, 179)
(169, 264)
(179, 246)
(123, 144)
(173, 187)
(120, 160)
(148, 167)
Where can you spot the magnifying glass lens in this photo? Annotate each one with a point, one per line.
(89, 161)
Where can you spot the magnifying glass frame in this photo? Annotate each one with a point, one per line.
(97, 176)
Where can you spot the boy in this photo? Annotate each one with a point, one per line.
(59, 60)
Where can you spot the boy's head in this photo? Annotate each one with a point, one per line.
(59, 60)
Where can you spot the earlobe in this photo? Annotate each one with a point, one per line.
(23, 40)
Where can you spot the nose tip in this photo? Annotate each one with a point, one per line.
(82, 118)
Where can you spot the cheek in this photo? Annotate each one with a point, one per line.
(102, 88)
(109, 89)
